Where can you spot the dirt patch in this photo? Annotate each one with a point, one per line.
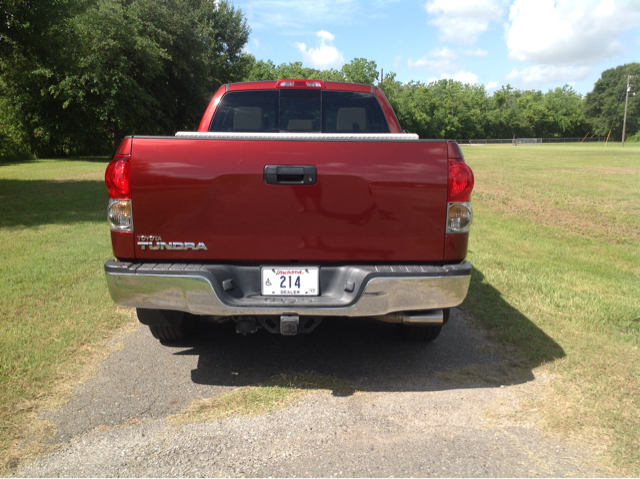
(615, 170)
(278, 393)
(571, 219)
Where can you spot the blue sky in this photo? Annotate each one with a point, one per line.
(537, 44)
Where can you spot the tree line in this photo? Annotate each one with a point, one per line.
(450, 109)
(78, 75)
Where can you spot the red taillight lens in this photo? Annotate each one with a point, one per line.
(118, 178)
(460, 180)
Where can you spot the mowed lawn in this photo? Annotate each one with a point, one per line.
(555, 246)
(56, 311)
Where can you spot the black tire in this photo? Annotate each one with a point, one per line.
(412, 332)
(418, 333)
(178, 332)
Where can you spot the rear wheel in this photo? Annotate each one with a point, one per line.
(176, 332)
(419, 333)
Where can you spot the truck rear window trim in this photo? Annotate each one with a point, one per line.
(299, 111)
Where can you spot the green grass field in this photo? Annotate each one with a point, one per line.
(55, 307)
(555, 246)
(556, 251)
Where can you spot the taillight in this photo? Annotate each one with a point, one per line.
(118, 181)
(300, 84)
(118, 178)
(459, 188)
(460, 180)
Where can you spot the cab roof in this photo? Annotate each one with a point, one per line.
(326, 85)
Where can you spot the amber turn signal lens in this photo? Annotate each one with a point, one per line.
(119, 215)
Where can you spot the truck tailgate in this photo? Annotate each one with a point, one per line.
(374, 201)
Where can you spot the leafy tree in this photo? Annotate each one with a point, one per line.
(409, 102)
(450, 109)
(150, 67)
(101, 69)
(262, 70)
(564, 113)
(442, 109)
(505, 115)
(359, 70)
(77, 75)
(533, 114)
(33, 33)
(13, 140)
(604, 106)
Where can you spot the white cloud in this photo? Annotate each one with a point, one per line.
(427, 64)
(438, 59)
(431, 80)
(325, 36)
(396, 61)
(256, 42)
(476, 53)
(537, 75)
(462, 76)
(445, 68)
(491, 86)
(569, 32)
(443, 53)
(325, 55)
(463, 21)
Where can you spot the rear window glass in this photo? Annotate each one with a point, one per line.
(300, 111)
(307, 111)
(352, 112)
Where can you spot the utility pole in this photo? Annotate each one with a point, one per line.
(626, 101)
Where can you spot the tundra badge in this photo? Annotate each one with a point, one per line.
(155, 243)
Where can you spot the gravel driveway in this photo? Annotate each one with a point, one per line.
(407, 422)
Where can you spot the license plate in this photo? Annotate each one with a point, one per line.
(287, 281)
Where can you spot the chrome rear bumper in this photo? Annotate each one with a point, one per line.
(228, 290)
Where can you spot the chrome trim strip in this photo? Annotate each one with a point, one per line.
(195, 294)
(213, 135)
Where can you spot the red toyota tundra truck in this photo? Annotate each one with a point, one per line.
(294, 200)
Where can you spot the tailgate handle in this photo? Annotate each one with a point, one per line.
(290, 175)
